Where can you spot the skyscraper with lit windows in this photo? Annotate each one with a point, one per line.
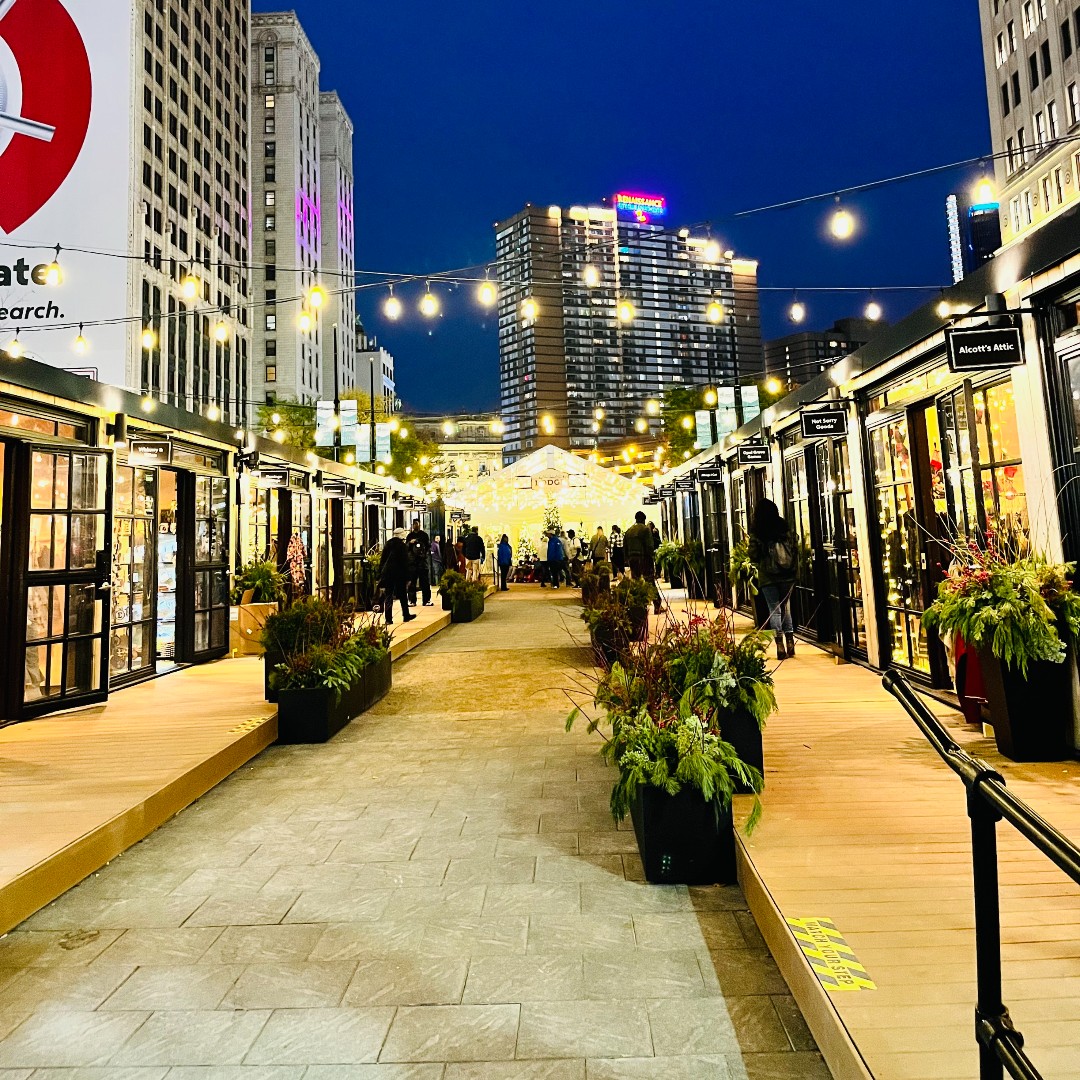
(602, 308)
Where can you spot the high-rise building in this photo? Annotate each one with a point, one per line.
(285, 197)
(190, 210)
(338, 243)
(374, 367)
(797, 358)
(1033, 86)
(601, 309)
(974, 230)
(302, 193)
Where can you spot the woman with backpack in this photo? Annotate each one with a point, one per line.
(772, 551)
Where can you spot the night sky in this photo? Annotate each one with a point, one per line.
(465, 111)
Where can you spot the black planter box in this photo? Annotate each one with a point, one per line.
(675, 579)
(1033, 716)
(605, 647)
(682, 839)
(315, 716)
(694, 587)
(741, 730)
(271, 658)
(467, 610)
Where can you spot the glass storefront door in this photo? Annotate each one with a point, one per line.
(134, 573)
(63, 576)
(209, 568)
(717, 553)
(841, 546)
(798, 512)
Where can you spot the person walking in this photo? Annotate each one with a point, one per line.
(655, 536)
(555, 553)
(449, 555)
(394, 572)
(541, 559)
(475, 553)
(576, 556)
(598, 546)
(436, 559)
(419, 545)
(638, 544)
(618, 553)
(567, 557)
(505, 559)
(772, 551)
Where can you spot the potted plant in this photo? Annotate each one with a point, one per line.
(602, 569)
(1022, 616)
(324, 687)
(691, 560)
(742, 574)
(590, 587)
(667, 563)
(463, 599)
(303, 625)
(257, 592)
(610, 627)
(637, 595)
(677, 772)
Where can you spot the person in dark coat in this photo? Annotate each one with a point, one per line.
(394, 569)
(474, 551)
(505, 559)
(773, 553)
(419, 544)
(618, 552)
(640, 550)
(555, 553)
(436, 559)
(449, 555)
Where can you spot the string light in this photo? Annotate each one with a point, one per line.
(80, 344)
(189, 287)
(213, 413)
(591, 276)
(148, 404)
(429, 304)
(304, 321)
(53, 274)
(275, 419)
(392, 306)
(626, 311)
(873, 310)
(712, 252)
(710, 397)
(598, 414)
(652, 407)
(641, 424)
(529, 310)
(316, 297)
(14, 347)
(715, 312)
(842, 223)
(773, 385)
(687, 423)
(944, 308)
(278, 436)
(487, 294)
(797, 311)
(149, 338)
(221, 332)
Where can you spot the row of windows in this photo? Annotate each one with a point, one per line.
(1047, 130)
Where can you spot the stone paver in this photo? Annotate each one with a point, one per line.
(437, 894)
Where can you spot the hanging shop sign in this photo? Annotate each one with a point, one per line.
(376, 496)
(824, 423)
(710, 474)
(754, 454)
(666, 492)
(150, 452)
(978, 350)
(651, 498)
(299, 481)
(333, 487)
(273, 478)
(685, 483)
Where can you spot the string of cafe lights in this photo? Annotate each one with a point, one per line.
(843, 226)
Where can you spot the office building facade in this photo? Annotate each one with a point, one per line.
(1033, 87)
(374, 368)
(799, 357)
(189, 210)
(601, 309)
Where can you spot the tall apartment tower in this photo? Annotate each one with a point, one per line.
(1033, 86)
(338, 243)
(286, 174)
(797, 358)
(189, 212)
(974, 230)
(601, 309)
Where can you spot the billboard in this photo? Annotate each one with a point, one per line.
(65, 178)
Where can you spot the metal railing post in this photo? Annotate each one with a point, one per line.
(990, 1011)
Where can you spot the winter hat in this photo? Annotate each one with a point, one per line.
(400, 534)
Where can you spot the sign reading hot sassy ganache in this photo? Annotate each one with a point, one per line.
(977, 350)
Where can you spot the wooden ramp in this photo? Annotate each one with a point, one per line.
(865, 826)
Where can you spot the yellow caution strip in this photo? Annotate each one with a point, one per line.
(828, 953)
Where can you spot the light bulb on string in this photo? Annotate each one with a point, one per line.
(221, 332)
(213, 413)
(316, 297)
(712, 252)
(53, 274)
(715, 312)
(429, 303)
(626, 311)
(872, 311)
(529, 310)
(392, 306)
(797, 311)
(591, 276)
(14, 348)
(278, 436)
(149, 338)
(276, 419)
(944, 308)
(984, 193)
(842, 223)
(487, 294)
(189, 287)
(80, 344)
(710, 397)
(304, 321)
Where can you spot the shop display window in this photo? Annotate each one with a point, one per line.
(211, 563)
(134, 565)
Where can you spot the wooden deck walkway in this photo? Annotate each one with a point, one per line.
(79, 788)
(866, 826)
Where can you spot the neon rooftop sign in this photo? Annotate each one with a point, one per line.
(642, 207)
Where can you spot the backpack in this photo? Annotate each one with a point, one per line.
(780, 555)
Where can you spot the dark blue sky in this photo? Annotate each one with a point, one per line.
(465, 111)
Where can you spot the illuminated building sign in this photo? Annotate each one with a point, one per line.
(642, 207)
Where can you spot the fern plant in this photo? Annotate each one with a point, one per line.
(742, 573)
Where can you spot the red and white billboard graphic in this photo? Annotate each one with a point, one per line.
(65, 173)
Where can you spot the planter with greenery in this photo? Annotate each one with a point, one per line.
(257, 592)
(668, 563)
(1022, 617)
(323, 687)
(463, 599)
(742, 574)
(299, 628)
(692, 565)
(664, 709)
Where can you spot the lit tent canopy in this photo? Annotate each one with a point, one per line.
(513, 500)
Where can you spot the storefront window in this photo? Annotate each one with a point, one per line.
(134, 558)
(1002, 474)
(798, 519)
(211, 562)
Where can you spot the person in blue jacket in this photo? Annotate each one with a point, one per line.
(505, 557)
(556, 559)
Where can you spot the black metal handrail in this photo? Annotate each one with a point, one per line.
(1001, 1046)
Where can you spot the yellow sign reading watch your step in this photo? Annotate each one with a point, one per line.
(832, 958)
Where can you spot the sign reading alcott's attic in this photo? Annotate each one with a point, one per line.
(754, 454)
(823, 423)
(976, 350)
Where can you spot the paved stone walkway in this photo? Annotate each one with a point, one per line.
(438, 894)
